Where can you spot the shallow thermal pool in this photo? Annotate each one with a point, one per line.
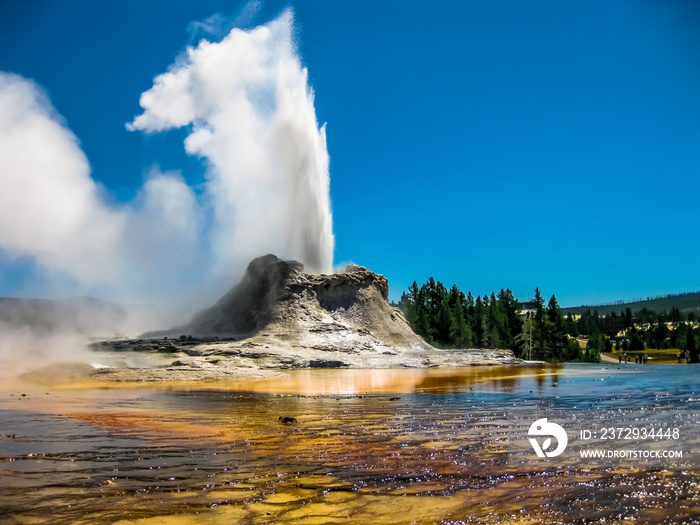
(369, 446)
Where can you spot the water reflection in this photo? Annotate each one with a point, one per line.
(363, 381)
(377, 446)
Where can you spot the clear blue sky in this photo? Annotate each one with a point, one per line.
(489, 144)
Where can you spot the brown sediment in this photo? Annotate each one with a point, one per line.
(151, 426)
(306, 382)
(359, 458)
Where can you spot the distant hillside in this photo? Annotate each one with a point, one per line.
(84, 315)
(686, 303)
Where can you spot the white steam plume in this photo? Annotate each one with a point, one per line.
(252, 116)
(51, 209)
(249, 110)
(49, 206)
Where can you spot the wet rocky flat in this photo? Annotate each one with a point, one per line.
(195, 358)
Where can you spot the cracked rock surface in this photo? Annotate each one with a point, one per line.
(279, 317)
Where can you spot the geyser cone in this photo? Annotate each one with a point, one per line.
(278, 299)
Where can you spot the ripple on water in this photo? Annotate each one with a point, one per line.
(453, 454)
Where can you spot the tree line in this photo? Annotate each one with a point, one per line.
(640, 330)
(448, 318)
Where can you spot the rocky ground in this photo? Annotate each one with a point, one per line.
(265, 355)
(278, 318)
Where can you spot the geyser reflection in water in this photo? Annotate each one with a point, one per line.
(420, 454)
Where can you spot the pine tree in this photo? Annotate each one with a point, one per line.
(423, 318)
(477, 322)
(571, 326)
(658, 336)
(539, 335)
(556, 332)
(470, 302)
(445, 320)
(676, 316)
(596, 344)
(627, 318)
(635, 339)
(511, 307)
(497, 323)
(485, 334)
(690, 345)
(454, 297)
(460, 334)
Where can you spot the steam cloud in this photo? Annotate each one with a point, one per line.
(249, 112)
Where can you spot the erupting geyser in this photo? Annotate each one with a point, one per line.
(249, 112)
(251, 115)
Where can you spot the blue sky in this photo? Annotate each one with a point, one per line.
(489, 144)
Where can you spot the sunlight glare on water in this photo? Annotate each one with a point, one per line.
(369, 446)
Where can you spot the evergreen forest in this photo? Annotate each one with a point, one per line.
(447, 318)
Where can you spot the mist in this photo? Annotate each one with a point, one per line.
(248, 110)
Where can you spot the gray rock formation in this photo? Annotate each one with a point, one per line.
(279, 317)
(251, 304)
(277, 299)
